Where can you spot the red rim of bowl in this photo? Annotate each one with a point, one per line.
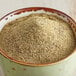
(16, 12)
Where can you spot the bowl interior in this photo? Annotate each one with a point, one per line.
(26, 11)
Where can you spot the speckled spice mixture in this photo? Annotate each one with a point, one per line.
(37, 38)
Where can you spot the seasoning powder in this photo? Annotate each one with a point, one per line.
(37, 38)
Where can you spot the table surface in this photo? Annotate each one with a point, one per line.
(67, 6)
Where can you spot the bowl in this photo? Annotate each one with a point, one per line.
(14, 67)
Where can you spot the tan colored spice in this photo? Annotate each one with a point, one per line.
(37, 38)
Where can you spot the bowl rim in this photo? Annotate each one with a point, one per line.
(16, 12)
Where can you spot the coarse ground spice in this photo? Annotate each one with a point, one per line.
(37, 38)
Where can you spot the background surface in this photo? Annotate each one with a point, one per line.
(67, 6)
